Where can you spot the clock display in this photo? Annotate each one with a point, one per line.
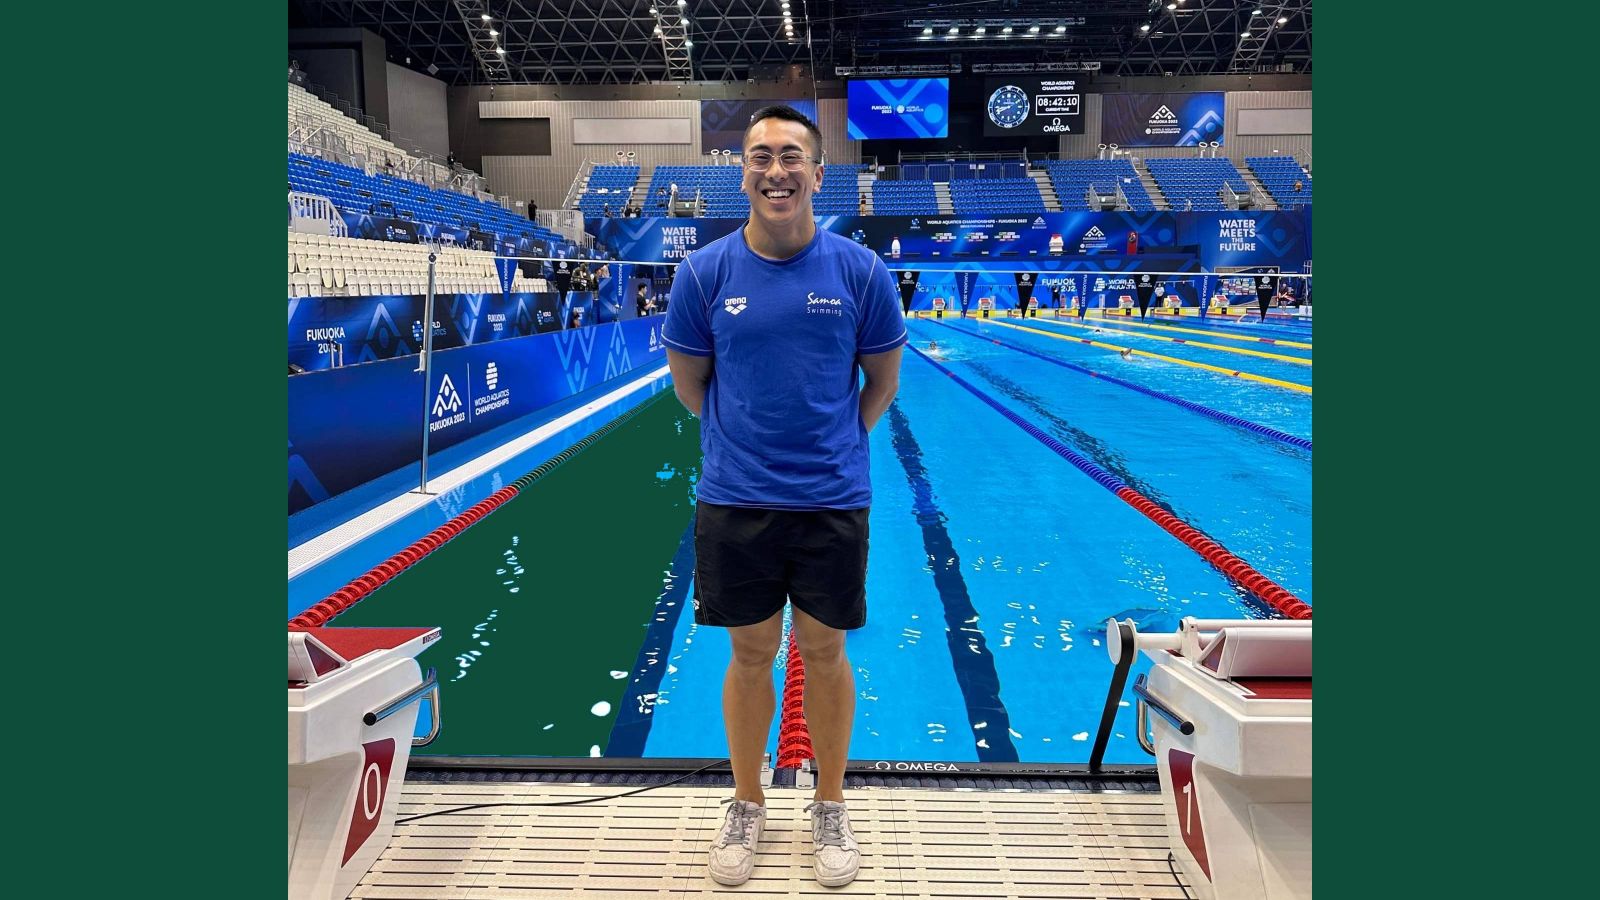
(1008, 106)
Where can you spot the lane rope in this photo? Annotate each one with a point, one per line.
(794, 739)
(1236, 569)
(1243, 351)
(1298, 345)
(1258, 428)
(1248, 376)
(361, 587)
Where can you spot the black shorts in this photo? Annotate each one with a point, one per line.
(749, 561)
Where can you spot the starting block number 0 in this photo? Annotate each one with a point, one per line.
(372, 791)
(377, 759)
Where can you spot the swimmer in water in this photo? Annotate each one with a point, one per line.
(1126, 353)
(933, 349)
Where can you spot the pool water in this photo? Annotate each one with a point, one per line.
(566, 615)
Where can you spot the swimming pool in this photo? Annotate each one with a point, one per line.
(995, 559)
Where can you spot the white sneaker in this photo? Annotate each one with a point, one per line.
(837, 855)
(733, 853)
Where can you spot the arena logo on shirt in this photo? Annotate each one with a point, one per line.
(735, 305)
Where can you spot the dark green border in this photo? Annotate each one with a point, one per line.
(1431, 446)
(145, 604)
(147, 507)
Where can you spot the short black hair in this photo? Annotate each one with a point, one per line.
(788, 114)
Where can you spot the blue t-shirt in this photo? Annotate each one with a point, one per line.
(781, 427)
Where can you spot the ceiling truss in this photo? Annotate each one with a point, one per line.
(616, 41)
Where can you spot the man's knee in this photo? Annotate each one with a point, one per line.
(819, 645)
(756, 646)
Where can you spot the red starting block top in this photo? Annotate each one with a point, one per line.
(354, 643)
(1276, 688)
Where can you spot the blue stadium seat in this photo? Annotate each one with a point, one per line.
(1278, 174)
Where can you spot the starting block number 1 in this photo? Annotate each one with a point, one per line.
(1180, 767)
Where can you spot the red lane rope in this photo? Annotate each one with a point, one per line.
(794, 741)
(375, 577)
(1235, 568)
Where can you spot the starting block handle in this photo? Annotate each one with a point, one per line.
(1183, 725)
(430, 682)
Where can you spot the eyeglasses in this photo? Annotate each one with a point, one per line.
(761, 161)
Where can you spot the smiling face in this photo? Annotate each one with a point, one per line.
(779, 199)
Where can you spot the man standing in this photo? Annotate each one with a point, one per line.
(767, 332)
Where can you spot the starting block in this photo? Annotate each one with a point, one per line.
(1232, 741)
(353, 695)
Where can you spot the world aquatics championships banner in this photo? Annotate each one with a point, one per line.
(1161, 120)
(915, 237)
(722, 122)
(350, 425)
(1256, 238)
(1026, 104)
(899, 108)
(368, 329)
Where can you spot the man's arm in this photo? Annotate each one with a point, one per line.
(690, 375)
(883, 380)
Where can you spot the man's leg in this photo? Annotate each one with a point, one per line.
(830, 701)
(748, 703)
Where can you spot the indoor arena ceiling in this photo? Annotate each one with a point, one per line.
(618, 41)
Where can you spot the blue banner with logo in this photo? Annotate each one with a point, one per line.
(963, 284)
(1244, 238)
(507, 270)
(1248, 238)
(372, 226)
(722, 122)
(1162, 120)
(367, 329)
(916, 238)
(350, 425)
(898, 108)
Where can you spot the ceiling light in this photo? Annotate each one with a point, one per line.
(486, 17)
(493, 33)
(1144, 27)
(1033, 30)
(500, 50)
(1256, 13)
(1060, 28)
(981, 30)
(682, 21)
(1283, 20)
(1172, 6)
(688, 43)
(683, 2)
(927, 31)
(658, 31)
(1006, 30)
(953, 30)
(1245, 34)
